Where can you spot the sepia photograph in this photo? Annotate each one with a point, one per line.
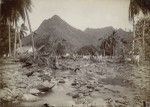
(74, 53)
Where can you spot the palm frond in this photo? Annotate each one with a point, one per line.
(137, 6)
(133, 10)
(13, 9)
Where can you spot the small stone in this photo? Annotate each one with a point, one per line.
(62, 81)
(90, 90)
(74, 83)
(64, 77)
(101, 85)
(96, 89)
(76, 95)
(90, 87)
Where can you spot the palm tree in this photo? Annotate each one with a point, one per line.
(32, 38)
(11, 10)
(135, 7)
(15, 17)
(5, 19)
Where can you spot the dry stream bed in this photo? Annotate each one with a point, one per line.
(75, 83)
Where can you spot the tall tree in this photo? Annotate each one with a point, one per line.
(32, 34)
(135, 7)
(11, 10)
(5, 18)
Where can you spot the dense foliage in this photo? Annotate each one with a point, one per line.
(137, 6)
(87, 50)
(13, 9)
(4, 39)
(139, 35)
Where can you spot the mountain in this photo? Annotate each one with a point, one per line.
(100, 33)
(56, 28)
(56, 31)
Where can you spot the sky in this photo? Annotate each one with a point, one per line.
(82, 14)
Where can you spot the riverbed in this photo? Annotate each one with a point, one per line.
(101, 83)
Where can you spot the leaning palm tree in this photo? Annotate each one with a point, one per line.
(135, 7)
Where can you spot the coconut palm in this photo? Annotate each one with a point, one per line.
(135, 7)
(5, 19)
(32, 38)
(11, 10)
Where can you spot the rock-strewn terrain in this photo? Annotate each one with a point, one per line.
(96, 82)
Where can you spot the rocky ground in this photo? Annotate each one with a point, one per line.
(88, 82)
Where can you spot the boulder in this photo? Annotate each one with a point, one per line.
(121, 101)
(46, 86)
(47, 83)
(46, 105)
(34, 91)
(30, 98)
(43, 88)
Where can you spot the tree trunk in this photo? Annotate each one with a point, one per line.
(15, 42)
(32, 38)
(133, 44)
(19, 38)
(143, 40)
(9, 37)
(113, 50)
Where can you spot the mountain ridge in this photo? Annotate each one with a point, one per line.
(56, 28)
